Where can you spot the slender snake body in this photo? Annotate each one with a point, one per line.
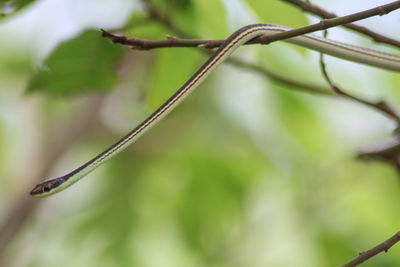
(241, 36)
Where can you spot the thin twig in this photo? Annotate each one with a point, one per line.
(142, 44)
(137, 43)
(316, 10)
(365, 255)
(380, 106)
(389, 153)
(329, 23)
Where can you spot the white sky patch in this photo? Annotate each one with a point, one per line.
(238, 13)
(45, 23)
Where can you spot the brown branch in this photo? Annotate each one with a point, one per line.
(136, 43)
(329, 23)
(316, 10)
(380, 106)
(141, 44)
(25, 205)
(386, 152)
(156, 14)
(293, 84)
(389, 153)
(365, 255)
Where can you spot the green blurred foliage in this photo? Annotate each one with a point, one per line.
(199, 189)
(83, 64)
(166, 82)
(277, 12)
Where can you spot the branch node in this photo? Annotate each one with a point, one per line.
(171, 38)
(382, 11)
(209, 45)
(322, 23)
(265, 39)
(387, 246)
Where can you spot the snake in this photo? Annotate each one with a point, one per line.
(235, 40)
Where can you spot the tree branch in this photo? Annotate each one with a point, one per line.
(154, 13)
(329, 23)
(389, 153)
(365, 255)
(380, 106)
(142, 44)
(264, 39)
(316, 10)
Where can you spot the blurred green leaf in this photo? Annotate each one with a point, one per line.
(11, 7)
(278, 13)
(301, 121)
(180, 12)
(147, 30)
(211, 19)
(335, 246)
(211, 203)
(83, 64)
(196, 18)
(172, 69)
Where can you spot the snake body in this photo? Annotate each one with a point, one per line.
(238, 38)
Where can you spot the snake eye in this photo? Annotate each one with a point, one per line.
(46, 188)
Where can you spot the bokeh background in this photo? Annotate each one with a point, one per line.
(245, 172)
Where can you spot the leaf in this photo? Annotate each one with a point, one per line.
(302, 122)
(278, 13)
(212, 200)
(173, 68)
(11, 7)
(180, 12)
(80, 65)
(211, 19)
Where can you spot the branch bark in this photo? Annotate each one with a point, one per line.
(141, 44)
(388, 153)
(322, 13)
(380, 106)
(365, 255)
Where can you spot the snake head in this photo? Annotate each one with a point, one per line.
(46, 188)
